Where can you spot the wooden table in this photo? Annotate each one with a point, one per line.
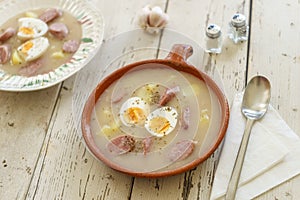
(42, 156)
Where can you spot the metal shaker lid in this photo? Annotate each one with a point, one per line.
(213, 31)
(238, 20)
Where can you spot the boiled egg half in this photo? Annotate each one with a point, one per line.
(33, 49)
(161, 121)
(134, 112)
(31, 28)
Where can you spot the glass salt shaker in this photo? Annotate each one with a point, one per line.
(213, 39)
(238, 28)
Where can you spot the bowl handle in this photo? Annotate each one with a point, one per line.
(180, 53)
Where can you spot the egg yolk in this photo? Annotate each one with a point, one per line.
(159, 125)
(26, 30)
(134, 115)
(27, 45)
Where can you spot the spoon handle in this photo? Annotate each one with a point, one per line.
(236, 172)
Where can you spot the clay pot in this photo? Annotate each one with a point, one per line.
(176, 59)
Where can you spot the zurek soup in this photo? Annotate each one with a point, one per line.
(154, 118)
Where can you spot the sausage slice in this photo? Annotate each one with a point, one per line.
(169, 94)
(121, 144)
(50, 14)
(31, 69)
(59, 30)
(147, 143)
(181, 150)
(70, 46)
(186, 114)
(8, 33)
(5, 53)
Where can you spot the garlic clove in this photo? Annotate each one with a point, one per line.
(156, 18)
(157, 9)
(143, 16)
(153, 19)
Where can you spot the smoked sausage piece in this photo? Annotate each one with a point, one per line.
(50, 14)
(121, 144)
(147, 143)
(5, 53)
(8, 33)
(169, 94)
(181, 150)
(31, 69)
(59, 30)
(70, 46)
(186, 118)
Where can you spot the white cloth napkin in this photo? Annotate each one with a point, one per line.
(271, 157)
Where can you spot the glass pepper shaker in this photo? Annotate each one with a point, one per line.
(213, 39)
(238, 28)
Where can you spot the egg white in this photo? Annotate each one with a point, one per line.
(36, 27)
(166, 112)
(33, 49)
(133, 102)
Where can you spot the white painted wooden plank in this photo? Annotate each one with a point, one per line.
(66, 170)
(190, 18)
(121, 16)
(24, 121)
(275, 52)
(159, 188)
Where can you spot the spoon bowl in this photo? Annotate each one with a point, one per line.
(255, 104)
(256, 98)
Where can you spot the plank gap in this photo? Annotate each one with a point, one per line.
(249, 43)
(46, 147)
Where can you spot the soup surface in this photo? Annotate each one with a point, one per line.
(39, 41)
(154, 118)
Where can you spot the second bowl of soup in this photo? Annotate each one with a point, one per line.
(156, 117)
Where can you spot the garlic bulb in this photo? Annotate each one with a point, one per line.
(153, 19)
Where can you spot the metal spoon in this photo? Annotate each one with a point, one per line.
(254, 106)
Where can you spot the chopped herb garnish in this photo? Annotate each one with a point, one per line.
(87, 40)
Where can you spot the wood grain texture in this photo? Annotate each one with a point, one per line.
(42, 156)
(273, 28)
(24, 121)
(191, 18)
(275, 53)
(65, 169)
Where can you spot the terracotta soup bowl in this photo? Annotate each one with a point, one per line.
(155, 118)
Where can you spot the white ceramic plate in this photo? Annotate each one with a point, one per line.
(92, 36)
